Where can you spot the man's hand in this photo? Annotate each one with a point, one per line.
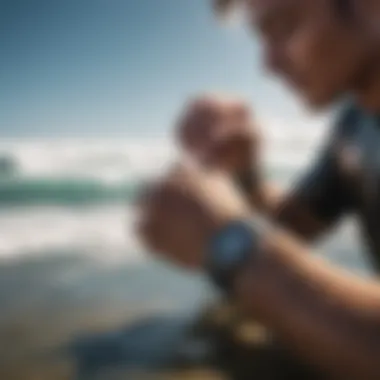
(179, 214)
(220, 132)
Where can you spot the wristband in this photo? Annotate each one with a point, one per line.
(231, 248)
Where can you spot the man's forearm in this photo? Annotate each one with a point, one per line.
(328, 316)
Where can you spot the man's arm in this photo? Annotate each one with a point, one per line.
(317, 202)
(312, 207)
(329, 317)
(289, 210)
(326, 315)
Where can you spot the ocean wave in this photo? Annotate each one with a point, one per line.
(50, 181)
(28, 191)
(105, 232)
(106, 160)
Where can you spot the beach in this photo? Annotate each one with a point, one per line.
(79, 296)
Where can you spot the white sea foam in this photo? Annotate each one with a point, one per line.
(105, 232)
(104, 159)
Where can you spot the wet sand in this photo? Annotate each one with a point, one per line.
(60, 313)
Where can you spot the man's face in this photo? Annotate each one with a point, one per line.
(310, 45)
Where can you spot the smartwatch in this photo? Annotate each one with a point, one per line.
(230, 249)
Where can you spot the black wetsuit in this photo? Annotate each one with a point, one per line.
(346, 177)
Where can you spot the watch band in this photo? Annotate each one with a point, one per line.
(225, 260)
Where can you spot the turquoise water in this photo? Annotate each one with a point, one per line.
(62, 191)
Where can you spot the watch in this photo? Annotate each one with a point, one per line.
(230, 249)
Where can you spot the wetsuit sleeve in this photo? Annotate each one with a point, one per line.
(323, 189)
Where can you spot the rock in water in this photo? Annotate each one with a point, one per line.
(8, 167)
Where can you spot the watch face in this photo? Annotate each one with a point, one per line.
(232, 245)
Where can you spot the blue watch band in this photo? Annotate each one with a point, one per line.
(230, 249)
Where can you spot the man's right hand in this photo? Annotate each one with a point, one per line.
(220, 132)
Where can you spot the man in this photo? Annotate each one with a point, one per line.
(199, 219)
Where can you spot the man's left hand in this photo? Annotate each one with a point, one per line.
(180, 213)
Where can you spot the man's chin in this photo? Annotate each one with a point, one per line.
(318, 102)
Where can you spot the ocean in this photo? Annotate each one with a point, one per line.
(70, 264)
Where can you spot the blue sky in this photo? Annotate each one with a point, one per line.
(121, 67)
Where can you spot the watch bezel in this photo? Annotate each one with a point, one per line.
(222, 272)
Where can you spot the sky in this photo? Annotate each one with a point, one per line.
(123, 67)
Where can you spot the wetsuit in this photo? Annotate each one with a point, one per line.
(345, 179)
